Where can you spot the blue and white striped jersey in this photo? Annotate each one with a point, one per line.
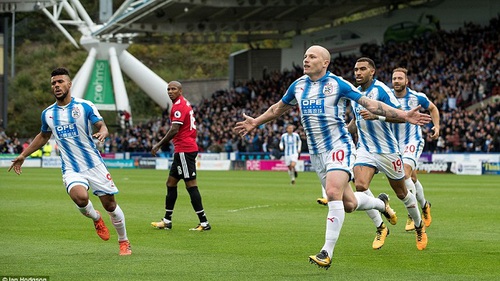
(374, 135)
(290, 143)
(407, 132)
(322, 106)
(71, 126)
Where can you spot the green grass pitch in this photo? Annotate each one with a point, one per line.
(263, 228)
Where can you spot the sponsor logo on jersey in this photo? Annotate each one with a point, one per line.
(312, 106)
(66, 131)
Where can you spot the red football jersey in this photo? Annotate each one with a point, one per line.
(182, 114)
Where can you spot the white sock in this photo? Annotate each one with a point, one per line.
(373, 206)
(411, 206)
(366, 202)
(420, 193)
(375, 217)
(334, 221)
(410, 185)
(118, 220)
(291, 174)
(89, 211)
(323, 192)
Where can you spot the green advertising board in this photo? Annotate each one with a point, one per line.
(100, 88)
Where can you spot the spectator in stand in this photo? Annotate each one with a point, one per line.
(47, 149)
(27, 143)
(4, 149)
(3, 135)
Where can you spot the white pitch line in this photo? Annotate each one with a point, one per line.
(248, 208)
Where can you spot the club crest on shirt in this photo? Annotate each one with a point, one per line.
(413, 102)
(371, 95)
(75, 112)
(328, 89)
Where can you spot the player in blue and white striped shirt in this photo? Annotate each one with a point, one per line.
(291, 144)
(411, 141)
(378, 150)
(70, 120)
(71, 125)
(322, 98)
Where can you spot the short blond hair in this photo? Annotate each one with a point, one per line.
(401, 69)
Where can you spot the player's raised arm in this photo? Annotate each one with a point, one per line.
(367, 115)
(250, 123)
(413, 116)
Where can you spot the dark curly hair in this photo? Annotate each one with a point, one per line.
(59, 71)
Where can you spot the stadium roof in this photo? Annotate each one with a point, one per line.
(219, 20)
(250, 20)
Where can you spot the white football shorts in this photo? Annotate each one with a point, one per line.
(337, 159)
(391, 164)
(291, 158)
(98, 179)
(412, 152)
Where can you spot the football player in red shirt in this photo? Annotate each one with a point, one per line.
(183, 135)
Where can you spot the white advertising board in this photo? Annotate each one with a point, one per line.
(28, 162)
(162, 164)
(209, 156)
(466, 157)
(51, 162)
(467, 168)
(213, 165)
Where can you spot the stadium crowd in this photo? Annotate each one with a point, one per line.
(454, 69)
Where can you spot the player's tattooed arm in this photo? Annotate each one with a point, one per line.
(380, 108)
(413, 116)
